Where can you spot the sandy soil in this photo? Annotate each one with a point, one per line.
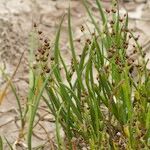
(16, 22)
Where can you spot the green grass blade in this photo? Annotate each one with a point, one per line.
(10, 146)
(101, 13)
(56, 46)
(34, 109)
(1, 143)
(16, 95)
(91, 16)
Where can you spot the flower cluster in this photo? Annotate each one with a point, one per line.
(43, 62)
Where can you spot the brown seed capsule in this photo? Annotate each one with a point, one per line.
(135, 51)
(45, 48)
(125, 46)
(47, 70)
(39, 49)
(138, 66)
(42, 52)
(144, 54)
(45, 67)
(110, 49)
(88, 41)
(137, 38)
(42, 73)
(113, 11)
(134, 46)
(37, 59)
(45, 41)
(47, 54)
(97, 77)
(107, 10)
(125, 15)
(79, 40)
(80, 55)
(49, 47)
(52, 58)
(130, 61)
(93, 34)
(34, 66)
(46, 44)
(110, 55)
(73, 69)
(82, 28)
(39, 32)
(121, 20)
(126, 30)
(82, 95)
(119, 70)
(45, 59)
(112, 22)
(34, 25)
(115, 4)
(41, 57)
(70, 74)
(127, 56)
(130, 36)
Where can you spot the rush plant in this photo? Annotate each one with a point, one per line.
(102, 99)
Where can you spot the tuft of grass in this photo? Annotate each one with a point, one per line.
(110, 110)
(102, 101)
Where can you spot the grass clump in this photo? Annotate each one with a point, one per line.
(110, 110)
(102, 101)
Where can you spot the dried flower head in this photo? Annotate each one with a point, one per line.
(82, 28)
(34, 25)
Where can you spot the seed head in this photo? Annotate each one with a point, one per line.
(113, 11)
(34, 66)
(39, 32)
(37, 59)
(137, 38)
(47, 70)
(134, 46)
(34, 25)
(88, 41)
(45, 59)
(52, 58)
(135, 51)
(36, 55)
(82, 28)
(39, 49)
(115, 4)
(42, 52)
(112, 22)
(130, 36)
(110, 55)
(79, 40)
(46, 44)
(121, 20)
(45, 41)
(93, 34)
(107, 10)
(144, 54)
